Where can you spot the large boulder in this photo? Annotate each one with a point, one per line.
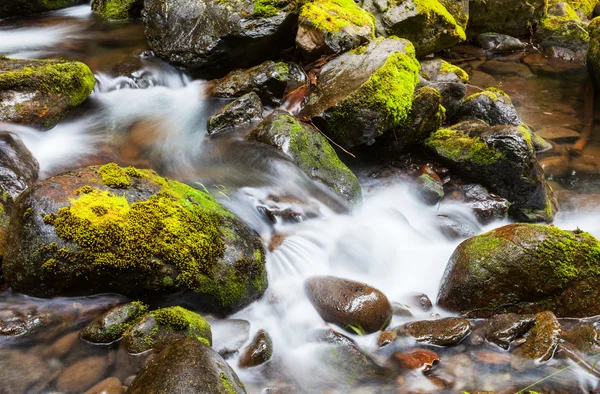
(187, 366)
(583, 8)
(29, 7)
(563, 33)
(512, 17)
(326, 27)
(593, 56)
(524, 268)
(310, 151)
(427, 24)
(459, 9)
(364, 93)
(502, 158)
(117, 10)
(41, 92)
(129, 231)
(210, 37)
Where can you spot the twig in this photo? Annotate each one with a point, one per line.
(330, 140)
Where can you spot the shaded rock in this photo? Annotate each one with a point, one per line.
(328, 27)
(29, 7)
(559, 134)
(428, 25)
(259, 351)
(310, 151)
(209, 37)
(165, 324)
(493, 106)
(361, 95)
(487, 207)
(18, 168)
(503, 329)
(539, 143)
(22, 373)
(443, 332)
(542, 340)
(244, 110)
(229, 335)
(438, 70)
(562, 30)
(422, 301)
(502, 159)
(153, 237)
(523, 268)
(542, 64)
(184, 367)
(270, 80)
(585, 337)
(81, 375)
(512, 17)
(24, 322)
(118, 10)
(107, 386)
(452, 95)
(499, 43)
(41, 92)
(110, 326)
(555, 165)
(457, 227)
(429, 189)
(349, 304)
(593, 56)
(399, 309)
(459, 9)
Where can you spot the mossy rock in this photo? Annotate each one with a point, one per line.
(459, 9)
(129, 231)
(29, 7)
(563, 28)
(426, 23)
(593, 56)
(310, 151)
(583, 8)
(242, 111)
(118, 10)
(159, 328)
(112, 324)
(364, 93)
(501, 158)
(41, 92)
(439, 70)
(333, 26)
(540, 343)
(524, 268)
(492, 106)
(516, 18)
(184, 367)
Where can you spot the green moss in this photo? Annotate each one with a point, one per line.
(458, 147)
(448, 68)
(177, 318)
(114, 176)
(334, 15)
(113, 9)
(585, 7)
(227, 385)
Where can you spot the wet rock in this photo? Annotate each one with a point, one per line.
(22, 373)
(443, 332)
(166, 324)
(452, 95)
(542, 64)
(593, 56)
(502, 330)
(259, 351)
(512, 17)
(349, 304)
(30, 7)
(502, 159)
(421, 359)
(229, 335)
(18, 168)
(117, 10)
(455, 226)
(24, 322)
(110, 326)
(487, 206)
(499, 43)
(361, 95)
(459, 9)
(107, 386)
(493, 106)
(438, 70)
(399, 309)
(81, 375)
(559, 134)
(62, 346)
(51, 252)
(429, 189)
(539, 143)
(523, 268)
(492, 358)
(41, 92)
(270, 80)
(242, 111)
(422, 301)
(328, 27)
(428, 25)
(541, 342)
(184, 367)
(584, 336)
(212, 36)
(310, 151)
(496, 67)
(555, 165)
(562, 30)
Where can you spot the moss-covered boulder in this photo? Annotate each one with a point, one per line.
(270, 80)
(583, 8)
(184, 367)
(493, 106)
(30, 7)
(242, 111)
(593, 56)
(501, 158)
(310, 151)
(129, 231)
(332, 26)
(161, 327)
(438, 70)
(426, 23)
(524, 268)
(364, 93)
(513, 17)
(459, 9)
(118, 10)
(563, 28)
(112, 324)
(41, 92)
(212, 37)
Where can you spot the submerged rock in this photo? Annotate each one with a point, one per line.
(427, 24)
(502, 330)
(512, 17)
(110, 326)
(364, 93)
(30, 7)
(184, 367)
(524, 268)
(584, 336)
(41, 92)
(117, 10)
(310, 151)
(129, 231)
(593, 56)
(22, 373)
(210, 37)
(541, 342)
(354, 306)
(242, 111)
(327, 27)
(229, 335)
(442, 332)
(81, 375)
(493, 106)
(259, 351)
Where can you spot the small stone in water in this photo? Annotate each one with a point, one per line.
(258, 352)
(107, 386)
(81, 375)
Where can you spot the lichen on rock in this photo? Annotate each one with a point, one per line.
(117, 10)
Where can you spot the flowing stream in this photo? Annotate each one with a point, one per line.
(150, 115)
